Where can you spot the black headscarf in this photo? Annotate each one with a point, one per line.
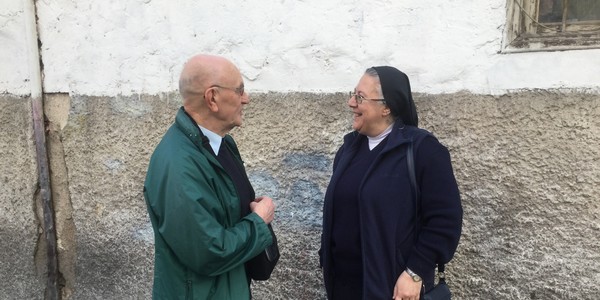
(398, 97)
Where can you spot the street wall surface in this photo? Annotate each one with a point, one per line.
(527, 166)
(523, 130)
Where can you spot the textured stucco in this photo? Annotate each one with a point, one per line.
(107, 143)
(20, 276)
(527, 165)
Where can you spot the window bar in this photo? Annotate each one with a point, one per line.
(564, 15)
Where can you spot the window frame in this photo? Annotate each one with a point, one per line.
(525, 35)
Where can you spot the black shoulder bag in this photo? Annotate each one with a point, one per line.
(261, 266)
(440, 291)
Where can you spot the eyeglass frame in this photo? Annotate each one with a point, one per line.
(359, 98)
(238, 90)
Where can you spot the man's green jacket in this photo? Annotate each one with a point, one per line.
(201, 241)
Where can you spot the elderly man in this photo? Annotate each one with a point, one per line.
(207, 223)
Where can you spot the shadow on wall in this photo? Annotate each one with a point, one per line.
(298, 190)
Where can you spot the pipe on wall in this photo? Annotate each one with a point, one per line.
(39, 129)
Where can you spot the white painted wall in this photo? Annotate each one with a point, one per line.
(15, 56)
(138, 46)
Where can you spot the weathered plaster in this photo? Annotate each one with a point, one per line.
(138, 47)
(21, 275)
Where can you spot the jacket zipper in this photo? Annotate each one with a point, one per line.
(188, 293)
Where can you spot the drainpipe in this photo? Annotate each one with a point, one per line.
(37, 106)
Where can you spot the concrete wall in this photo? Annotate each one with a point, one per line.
(20, 276)
(527, 165)
(523, 130)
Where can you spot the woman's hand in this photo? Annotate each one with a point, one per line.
(406, 288)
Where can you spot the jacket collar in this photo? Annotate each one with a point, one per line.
(400, 135)
(190, 128)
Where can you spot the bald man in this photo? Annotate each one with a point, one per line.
(207, 222)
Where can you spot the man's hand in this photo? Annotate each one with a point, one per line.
(264, 207)
(406, 288)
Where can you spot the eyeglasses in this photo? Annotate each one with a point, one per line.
(359, 98)
(239, 90)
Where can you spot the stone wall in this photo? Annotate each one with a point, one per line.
(527, 165)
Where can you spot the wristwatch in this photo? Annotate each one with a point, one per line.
(413, 275)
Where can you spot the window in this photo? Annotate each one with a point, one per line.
(546, 25)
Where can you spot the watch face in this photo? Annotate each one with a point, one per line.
(413, 275)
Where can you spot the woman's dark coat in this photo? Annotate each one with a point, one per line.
(387, 211)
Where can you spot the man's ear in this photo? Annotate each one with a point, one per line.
(210, 100)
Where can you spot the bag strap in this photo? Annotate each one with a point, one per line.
(410, 161)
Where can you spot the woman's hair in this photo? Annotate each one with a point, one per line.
(373, 73)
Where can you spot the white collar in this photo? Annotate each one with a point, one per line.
(374, 141)
(213, 138)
